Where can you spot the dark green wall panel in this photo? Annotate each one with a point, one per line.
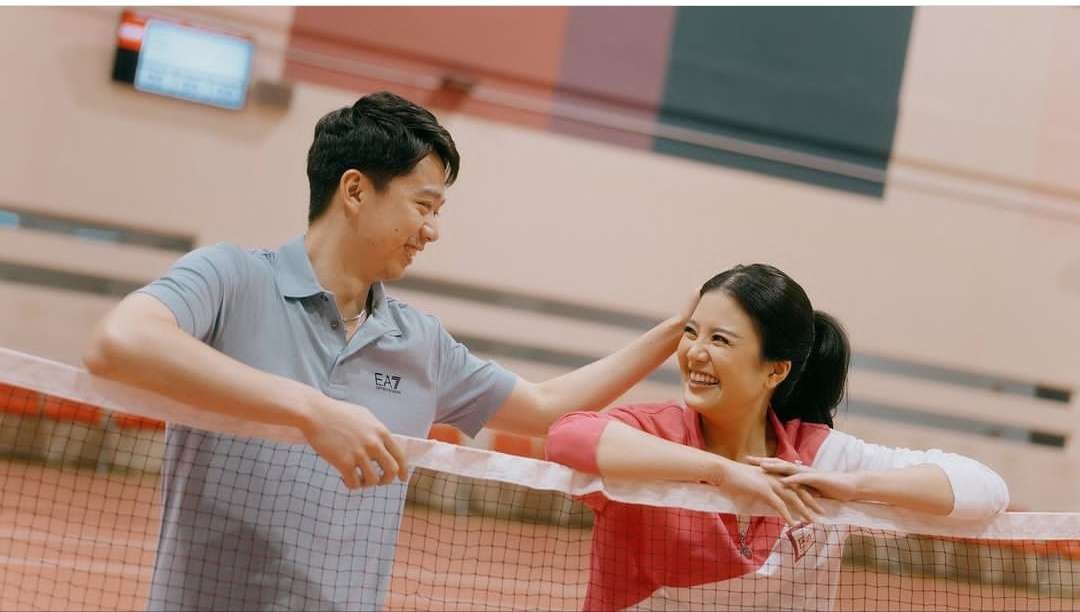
(824, 81)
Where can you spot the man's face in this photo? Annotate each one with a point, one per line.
(403, 219)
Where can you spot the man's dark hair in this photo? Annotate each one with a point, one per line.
(383, 136)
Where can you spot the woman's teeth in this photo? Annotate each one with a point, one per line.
(699, 378)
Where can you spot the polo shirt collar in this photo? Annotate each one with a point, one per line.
(785, 448)
(293, 271)
(296, 279)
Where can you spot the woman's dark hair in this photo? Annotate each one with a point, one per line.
(382, 135)
(791, 330)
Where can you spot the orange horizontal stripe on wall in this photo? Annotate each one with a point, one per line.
(445, 433)
(516, 445)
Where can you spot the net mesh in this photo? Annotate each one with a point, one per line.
(86, 524)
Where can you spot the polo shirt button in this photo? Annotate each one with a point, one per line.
(334, 324)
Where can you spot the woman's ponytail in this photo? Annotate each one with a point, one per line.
(821, 385)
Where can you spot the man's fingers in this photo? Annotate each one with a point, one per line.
(349, 475)
(399, 456)
(364, 465)
(388, 465)
(690, 305)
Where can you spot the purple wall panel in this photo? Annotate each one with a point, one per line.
(614, 59)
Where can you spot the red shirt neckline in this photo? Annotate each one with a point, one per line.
(785, 449)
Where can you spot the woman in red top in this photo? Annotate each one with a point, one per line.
(762, 374)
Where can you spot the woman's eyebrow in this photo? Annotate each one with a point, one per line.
(726, 331)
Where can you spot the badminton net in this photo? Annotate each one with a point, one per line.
(81, 528)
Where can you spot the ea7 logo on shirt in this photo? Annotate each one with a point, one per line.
(387, 382)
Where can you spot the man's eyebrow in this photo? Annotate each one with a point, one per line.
(432, 191)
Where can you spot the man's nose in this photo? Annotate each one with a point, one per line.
(430, 230)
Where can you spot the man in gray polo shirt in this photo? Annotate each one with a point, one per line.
(304, 336)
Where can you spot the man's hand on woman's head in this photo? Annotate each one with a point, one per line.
(687, 306)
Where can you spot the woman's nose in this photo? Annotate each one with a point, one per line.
(696, 353)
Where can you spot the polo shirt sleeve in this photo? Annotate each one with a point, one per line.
(199, 287)
(469, 390)
(978, 491)
(574, 438)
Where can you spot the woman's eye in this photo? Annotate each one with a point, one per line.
(720, 339)
(689, 331)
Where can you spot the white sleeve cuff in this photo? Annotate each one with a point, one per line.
(978, 491)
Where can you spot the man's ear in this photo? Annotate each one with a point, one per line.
(355, 190)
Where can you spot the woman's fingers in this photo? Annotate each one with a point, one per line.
(792, 499)
(806, 479)
(809, 499)
(776, 466)
(816, 481)
(780, 506)
(833, 485)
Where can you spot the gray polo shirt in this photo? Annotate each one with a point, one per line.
(250, 524)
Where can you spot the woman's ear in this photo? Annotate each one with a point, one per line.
(778, 371)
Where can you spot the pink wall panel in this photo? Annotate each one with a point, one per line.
(516, 49)
(1058, 151)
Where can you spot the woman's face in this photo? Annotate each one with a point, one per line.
(720, 359)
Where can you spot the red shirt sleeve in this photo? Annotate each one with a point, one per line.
(573, 439)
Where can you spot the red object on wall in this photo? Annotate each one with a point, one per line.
(129, 34)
